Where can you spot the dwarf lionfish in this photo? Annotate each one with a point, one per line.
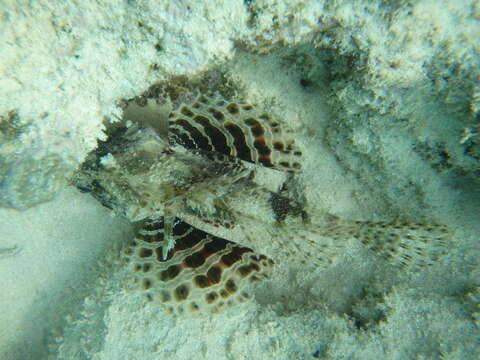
(188, 193)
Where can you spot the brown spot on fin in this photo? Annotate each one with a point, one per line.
(411, 245)
(404, 244)
(202, 273)
(210, 123)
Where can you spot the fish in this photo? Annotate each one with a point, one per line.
(207, 231)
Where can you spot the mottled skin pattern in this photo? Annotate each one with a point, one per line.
(190, 196)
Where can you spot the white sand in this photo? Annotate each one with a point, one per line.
(60, 244)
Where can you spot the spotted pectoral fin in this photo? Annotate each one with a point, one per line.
(412, 245)
(404, 244)
(201, 274)
(211, 123)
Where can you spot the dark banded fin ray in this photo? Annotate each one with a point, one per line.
(237, 129)
(201, 274)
